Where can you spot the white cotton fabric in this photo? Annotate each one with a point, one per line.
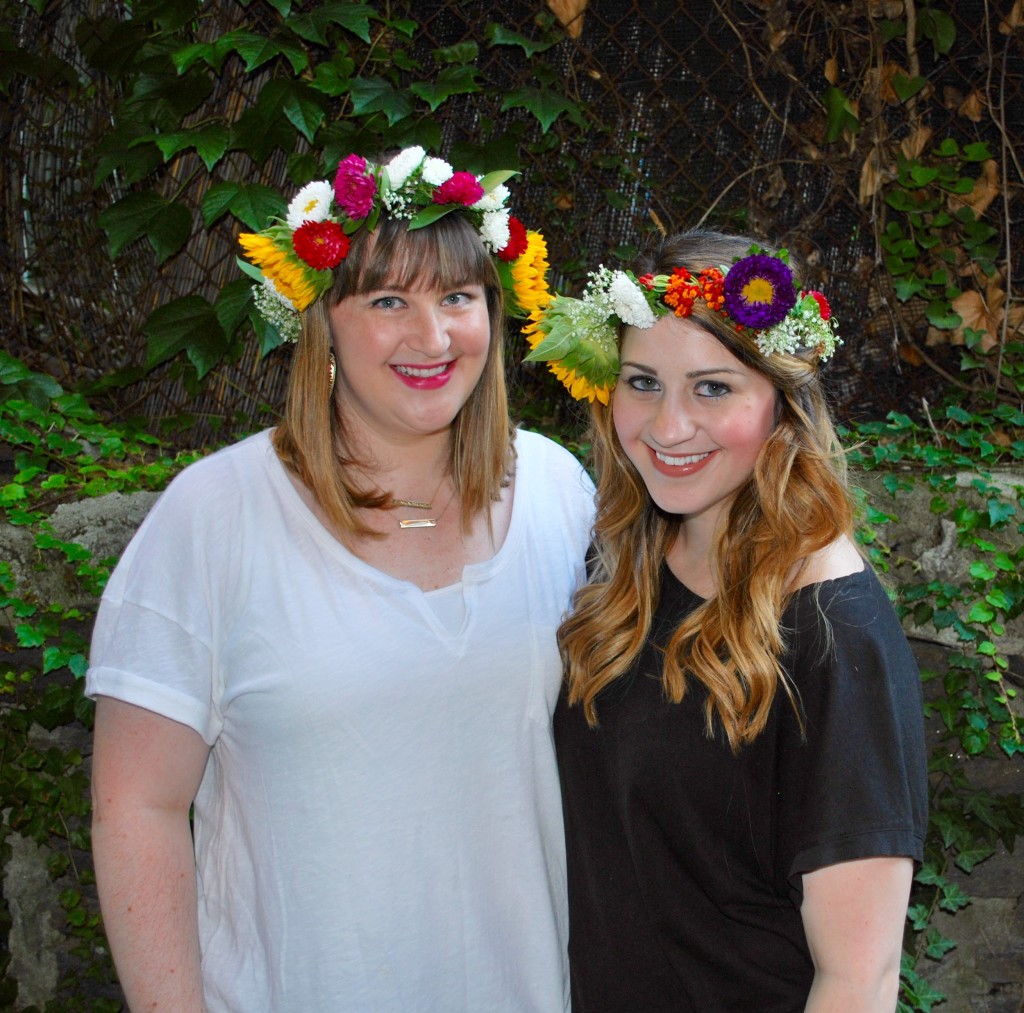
(379, 826)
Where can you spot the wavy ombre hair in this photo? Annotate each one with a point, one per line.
(795, 503)
(312, 437)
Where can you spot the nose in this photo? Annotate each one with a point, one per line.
(672, 423)
(429, 334)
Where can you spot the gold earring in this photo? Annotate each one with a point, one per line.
(332, 373)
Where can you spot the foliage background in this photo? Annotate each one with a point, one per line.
(158, 130)
(878, 139)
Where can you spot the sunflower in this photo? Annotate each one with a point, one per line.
(529, 283)
(296, 281)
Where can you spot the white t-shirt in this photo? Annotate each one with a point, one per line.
(379, 826)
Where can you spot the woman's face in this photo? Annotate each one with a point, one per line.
(690, 416)
(408, 359)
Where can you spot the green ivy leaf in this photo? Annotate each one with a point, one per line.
(187, 323)
(165, 224)
(840, 115)
(942, 316)
(376, 95)
(450, 81)
(304, 108)
(545, 105)
(907, 87)
(233, 304)
(252, 203)
(313, 26)
(497, 35)
(461, 52)
(938, 27)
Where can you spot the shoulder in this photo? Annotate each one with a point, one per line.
(542, 458)
(839, 559)
(229, 473)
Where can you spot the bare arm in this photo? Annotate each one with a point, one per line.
(853, 915)
(146, 771)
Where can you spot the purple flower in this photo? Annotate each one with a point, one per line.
(353, 189)
(759, 291)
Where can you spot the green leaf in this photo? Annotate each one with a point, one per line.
(187, 323)
(907, 87)
(450, 81)
(942, 316)
(544, 104)
(840, 115)
(313, 26)
(938, 27)
(233, 304)
(375, 94)
(252, 203)
(110, 45)
(166, 225)
(461, 52)
(210, 143)
(500, 36)
(304, 108)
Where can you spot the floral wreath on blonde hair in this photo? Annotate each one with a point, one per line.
(578, 337)
(293, 259)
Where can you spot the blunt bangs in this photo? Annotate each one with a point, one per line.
(445, 255)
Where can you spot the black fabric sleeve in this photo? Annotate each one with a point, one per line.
(853, 781)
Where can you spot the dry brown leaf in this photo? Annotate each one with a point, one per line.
(912, 146)
(973, 106)
(986, 189)
(1000, 437)
(937, 337)
(564, 201)
(978, 316)
(910, 354)
(776, 187)
(883, 82)
(832, 70)
(777, 38)
(885, 8)
(1013, 20)
(872, 176)
(569, 14)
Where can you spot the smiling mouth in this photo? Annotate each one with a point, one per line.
(678, 462)
(421, 372)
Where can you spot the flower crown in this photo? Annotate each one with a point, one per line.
(578, 337)
(293, 259)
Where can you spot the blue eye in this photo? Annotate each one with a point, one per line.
(713, 388)
(643, 383)
(456, 298)
(386, 302)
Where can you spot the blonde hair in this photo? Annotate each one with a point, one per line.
(312, 438)
(795, 503)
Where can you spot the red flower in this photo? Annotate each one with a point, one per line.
(459, 188)
(647, 280)
(712, 283)
(322, 245)
(517, 242)
(823, 306)
(680, 292)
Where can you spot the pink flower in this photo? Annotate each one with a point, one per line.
(353, 189)
(459, 188)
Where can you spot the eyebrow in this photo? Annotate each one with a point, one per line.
(692, 375)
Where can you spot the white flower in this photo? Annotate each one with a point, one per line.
(629, 302)
(494, 230)
(403, 165)
(311, 204)
(277, 310)
(492, 201)
(436, 170)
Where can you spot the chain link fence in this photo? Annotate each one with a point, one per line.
(708, 112)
